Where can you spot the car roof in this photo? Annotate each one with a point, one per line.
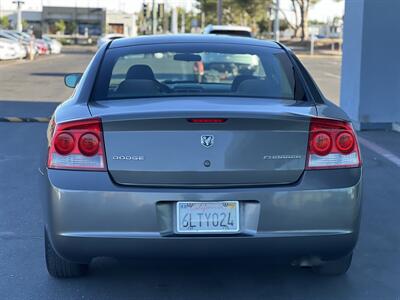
(8, 41)
(113, 35)
(191, 38)
(6, 35)
(227, 28)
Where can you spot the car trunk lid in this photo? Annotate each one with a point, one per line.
(155, 142)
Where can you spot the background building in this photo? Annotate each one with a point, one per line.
(77, 20)
(80, 22)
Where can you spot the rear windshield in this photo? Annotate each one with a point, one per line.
(200, 69)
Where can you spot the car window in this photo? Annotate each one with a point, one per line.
(195, 70)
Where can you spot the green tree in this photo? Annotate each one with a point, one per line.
(301, 8)
(252, 13)
(70, 27)
(25, 24)
(304, 8)
(209, 10)
(4, 22)
(60, 26)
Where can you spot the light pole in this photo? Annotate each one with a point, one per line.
(183, 22)
(154, 17)
(19, 17)
(174, 20)
(219, 12)
(276, 21)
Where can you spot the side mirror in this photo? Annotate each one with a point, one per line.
(71, 80)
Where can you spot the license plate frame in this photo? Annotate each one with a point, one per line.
(233, 230)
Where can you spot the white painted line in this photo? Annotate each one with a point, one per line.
(332, 75)
(381, 151)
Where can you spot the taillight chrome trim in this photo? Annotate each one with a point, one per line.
(336, 158)
(76, 159)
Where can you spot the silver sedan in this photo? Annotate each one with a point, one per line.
(157, 154)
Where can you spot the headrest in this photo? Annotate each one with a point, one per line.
(140, 72)
(239, 79)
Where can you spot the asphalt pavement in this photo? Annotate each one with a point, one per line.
(42, 79)
(326, 71)
(374, 274)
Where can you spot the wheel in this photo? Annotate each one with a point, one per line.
(335, 267)
(59, 267)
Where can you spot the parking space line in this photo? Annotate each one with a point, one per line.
(381, 151)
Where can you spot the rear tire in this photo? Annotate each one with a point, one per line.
(59, 267)
(335, 267)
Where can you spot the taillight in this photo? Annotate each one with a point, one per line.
(332, 144)
(89, 144)
(64, 143)
(77, 145)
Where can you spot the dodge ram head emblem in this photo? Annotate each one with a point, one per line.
(207, 140)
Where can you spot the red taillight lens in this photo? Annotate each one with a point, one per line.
(332, 144)
(321, 143)
(77, 145)
(64, 143)
(89, 144)
(345, 142)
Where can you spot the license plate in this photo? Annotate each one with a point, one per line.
(207, 217)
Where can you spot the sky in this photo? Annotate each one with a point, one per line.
(322, 11)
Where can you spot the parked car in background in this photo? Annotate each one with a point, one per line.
(228, 30)
(227, 67)
(23, 37)
(17, 44)
(24, 41)
(108, 37)
(6, 50)
(11, 49)
(42, 47)
(54, 45)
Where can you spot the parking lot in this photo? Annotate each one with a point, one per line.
(374, 274)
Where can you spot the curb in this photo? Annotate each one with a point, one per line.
(13, 62)
(23, 120)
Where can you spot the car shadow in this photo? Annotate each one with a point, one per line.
(228, 279)
(48, 74)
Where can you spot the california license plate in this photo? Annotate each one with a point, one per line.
(207, 217)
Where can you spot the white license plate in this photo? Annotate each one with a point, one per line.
(207, 217)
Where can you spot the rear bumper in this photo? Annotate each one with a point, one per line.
(87, 215)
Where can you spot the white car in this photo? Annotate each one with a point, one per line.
(6, 50)
(108, 37)
(10, 49)
(234, 30)
(54, 45)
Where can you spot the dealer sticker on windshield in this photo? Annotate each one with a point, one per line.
(207, 217)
